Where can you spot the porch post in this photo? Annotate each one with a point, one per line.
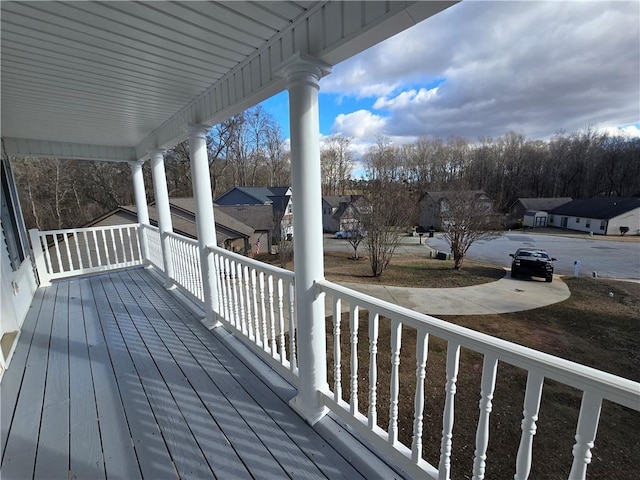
(141, 207)
(302, 74)
(205, 222)
(164, 212)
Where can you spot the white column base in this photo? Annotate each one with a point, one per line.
(310, 415)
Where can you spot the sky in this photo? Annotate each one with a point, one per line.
(482, 68)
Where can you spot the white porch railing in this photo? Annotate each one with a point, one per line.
(151, 235)
(81, 251)
(256, 301)
(186, 265)
(595, 385)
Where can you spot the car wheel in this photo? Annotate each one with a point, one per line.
(549, 279)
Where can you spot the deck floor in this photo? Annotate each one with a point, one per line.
(113, 377)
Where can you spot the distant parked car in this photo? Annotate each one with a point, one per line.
(532, 262)
(349, 233)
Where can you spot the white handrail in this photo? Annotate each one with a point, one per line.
(596, 385)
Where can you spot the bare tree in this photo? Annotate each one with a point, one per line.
(385, 216)
(468, 218)
(336, 160)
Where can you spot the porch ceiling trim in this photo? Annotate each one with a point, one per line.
(97, 79)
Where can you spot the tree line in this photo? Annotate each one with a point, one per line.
(578, 164)
(249, 149)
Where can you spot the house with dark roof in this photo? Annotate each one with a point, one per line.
(601, 215)
(535, 210)
(434, 207)
(339, 211)
(278, 198)
(231, 233)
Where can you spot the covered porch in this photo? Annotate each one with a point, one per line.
(114, 377)
(142, 353)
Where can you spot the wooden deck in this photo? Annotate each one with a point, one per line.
(113, 377)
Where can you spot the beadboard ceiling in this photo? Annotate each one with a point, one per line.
(119, 78)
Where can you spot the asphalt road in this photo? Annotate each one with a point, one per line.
(609, 258)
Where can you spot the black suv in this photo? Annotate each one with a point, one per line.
(529, 261)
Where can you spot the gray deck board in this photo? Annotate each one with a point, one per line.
(11, 383)
(114, 378)
(53, 450)
(20, 451)
(119, 455)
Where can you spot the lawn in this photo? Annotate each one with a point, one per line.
(591, 327)
(409, 271)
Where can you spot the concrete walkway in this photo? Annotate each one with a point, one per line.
(502, 296)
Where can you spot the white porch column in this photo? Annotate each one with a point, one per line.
(303, 73)
(139, 192)
(141, 206)
(205, 222)
(164, 212)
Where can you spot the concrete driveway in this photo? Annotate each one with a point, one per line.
(609, 258)
(502, 296)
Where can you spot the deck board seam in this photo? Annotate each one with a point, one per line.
(156, 403)
(195, 330)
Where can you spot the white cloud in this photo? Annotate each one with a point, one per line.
(359, 124)
(534, 67)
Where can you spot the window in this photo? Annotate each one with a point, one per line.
(603, 224)
(577, 219)
(587, 222)
(9, 216)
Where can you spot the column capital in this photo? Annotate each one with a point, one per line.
(157, 152)
(303, 63)
(196, 130)
(136, 163)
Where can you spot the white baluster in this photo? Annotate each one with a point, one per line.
(453, 361)
(353, 325)
(240, 299)
(255, 335)
(247, 295)
(68, 250)
(373, 370)
(396, 340)
(133, 238)
(122, 245)
(272, 318)
(489, 370)
(533, 394)
(234, 289)
(337, 367)
(86, 246)
(263, 311)
(222, 273)
(281, 321)
(76, 239)
(418, 404)
(113, 244)
(58, 256)
(293, 361)
(45, 246)
(585, 434)
(106, 249)
(95, 243)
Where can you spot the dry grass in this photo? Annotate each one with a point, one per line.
(590, 327)
(409, 271)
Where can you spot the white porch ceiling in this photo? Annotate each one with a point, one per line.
(112, 80)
